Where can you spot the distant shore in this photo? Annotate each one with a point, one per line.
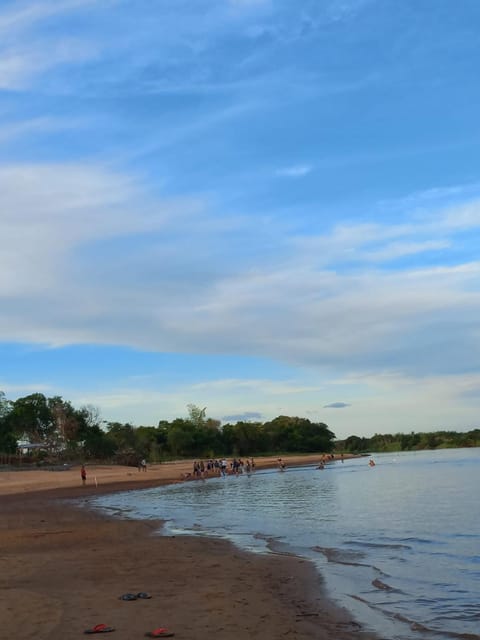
(63, 568)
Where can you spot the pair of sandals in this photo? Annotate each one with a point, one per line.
(161, 632)
(135, 596)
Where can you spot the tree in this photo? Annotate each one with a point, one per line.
(181, 437)
(8, 441)
(243, 438)
(123, 435)
(292, 434)
(315, 436)
(65, 422)
(196, 415)
(32, 416)
(97, 444)
(355, 444)
(146, 441)
(5, 405)
(89, 437)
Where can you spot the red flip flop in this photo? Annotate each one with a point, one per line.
(161, 632)
(99, 628)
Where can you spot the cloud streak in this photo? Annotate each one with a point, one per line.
(336, 405)
(64, 230)
(296, 171)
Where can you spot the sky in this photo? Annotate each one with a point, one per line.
(261, 207)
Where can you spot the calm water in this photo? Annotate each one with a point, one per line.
(398, 544)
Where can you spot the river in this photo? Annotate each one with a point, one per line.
(398, 544)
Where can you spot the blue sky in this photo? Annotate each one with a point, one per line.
(260, 206)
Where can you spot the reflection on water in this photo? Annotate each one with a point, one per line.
(398, 543)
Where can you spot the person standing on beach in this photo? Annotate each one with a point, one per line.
(83, 474)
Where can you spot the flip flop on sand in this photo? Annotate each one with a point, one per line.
(143, 595)
(99, 628)
(128, 596)
(161, 632)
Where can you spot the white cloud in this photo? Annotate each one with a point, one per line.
(48, 211)
(397, 250)
(23, 15)
(26, 51)
(265, 387)
(295, 171)
(221, 397)
(383, 403)
(16, 390)
(463, 217)
(89, 255)
(10, 130)
(19, 65)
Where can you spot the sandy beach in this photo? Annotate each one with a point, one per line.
(63, 568)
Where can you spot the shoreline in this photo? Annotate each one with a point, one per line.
(63, 568)
(105, 478)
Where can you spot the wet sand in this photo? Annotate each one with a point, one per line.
(63, 568)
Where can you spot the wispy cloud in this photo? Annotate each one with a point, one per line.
(19, 65)
(27, 51)
(396, 250)
(24, 15)
(64, 228)
(336, 405)
(295, 171)
(12, 130)
(24, 389)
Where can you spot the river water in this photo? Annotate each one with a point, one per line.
(398, 544)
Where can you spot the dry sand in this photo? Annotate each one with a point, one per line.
(62, 570)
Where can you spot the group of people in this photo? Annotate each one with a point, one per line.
(219, 467)
(327, 457)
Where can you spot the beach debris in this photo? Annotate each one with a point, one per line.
(128, 596)
(143, 595)
(99, 628)
(161, 632)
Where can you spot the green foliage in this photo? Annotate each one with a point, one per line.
(181, 437)
(243, 438)
(297, 435)
(410, 442)
(32, 416)
(5, 406)
(97, 445)
(195, 436)
(73, 433)
(8, 441)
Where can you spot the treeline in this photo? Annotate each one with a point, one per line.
(62, 432)
(410, 441)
